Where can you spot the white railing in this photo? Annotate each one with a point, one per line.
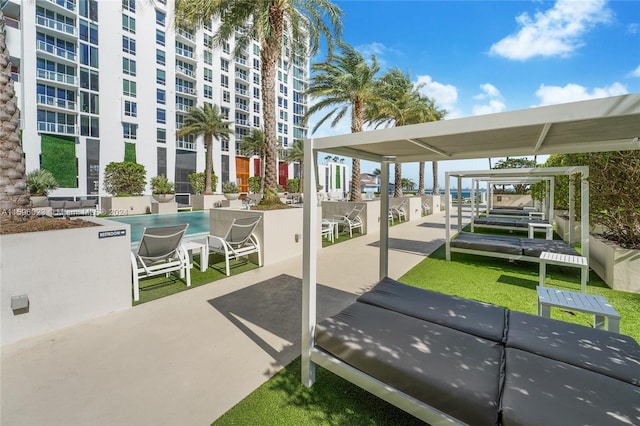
(241, 61)
(240, 91)
(184, 52)
(57, 102)
(56, 25)
(242, 122)
(183, 107)
(186, 90)
(186, 71)
(54, 50)
(67, 4)
(242, 107)
(57, 76)
(186, 145)
(67, 129)
(242, 76)
(185, 34)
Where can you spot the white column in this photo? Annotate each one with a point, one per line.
(584, 229)
(384, 219)
(447, 212)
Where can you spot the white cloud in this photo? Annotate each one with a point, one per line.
(445, 95)
(550, 95)
(493, 100)
(635, 73)
(379, 50)
(555, 32)
(633, 28)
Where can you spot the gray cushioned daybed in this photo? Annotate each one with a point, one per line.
(508, 223)
(507, 247)
(482, 364)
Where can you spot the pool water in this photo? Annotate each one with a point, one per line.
(198, 222)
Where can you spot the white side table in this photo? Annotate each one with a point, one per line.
(201, 247)
(546, 226)
(564, 260)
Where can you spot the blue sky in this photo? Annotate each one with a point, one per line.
(479, 57)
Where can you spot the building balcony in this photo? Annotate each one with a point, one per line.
(58, 26)
(242, 122)
(242, 76)
(57, 77)
(190, 146)
(183, 107)
(242, 62)
(242, 107)
(57, 102)
(66, 5)
(190, 91)
(185, 35)
(185, 54)
(242, 92)
(184, 71)
(62, 129)
(56, 51)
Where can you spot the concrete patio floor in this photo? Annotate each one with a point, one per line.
(188, 358)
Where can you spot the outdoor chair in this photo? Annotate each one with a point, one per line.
(426, 209)
(160, 252)
(239, 241)
(351, 220)
(399, 211)
(327, 229)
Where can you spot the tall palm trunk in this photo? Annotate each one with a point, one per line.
(357, 120)
(397, 190)
(269, 56)
(208, 180)
(436, 186)
(14, 193)
(421, 178)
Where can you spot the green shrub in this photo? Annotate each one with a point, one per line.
(40, 182)
(130, 152)
(122, 179)
(197, 180)
(161, 185)
(254, 184)
(293, 185)
(229, 188)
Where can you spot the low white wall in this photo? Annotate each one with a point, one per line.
(276, 231)
(123, 206)
(68, 275)
(433, 201)
(205, 202)
(512, 200)
(618, 267)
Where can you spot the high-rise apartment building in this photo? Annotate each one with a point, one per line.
(104, 81)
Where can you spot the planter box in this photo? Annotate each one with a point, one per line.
(279, 232)
(562, 229)
(69, 276)
(124, 206)
(165, 207)
(206, 202)
(618, 267)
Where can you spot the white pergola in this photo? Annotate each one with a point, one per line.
(607, 124)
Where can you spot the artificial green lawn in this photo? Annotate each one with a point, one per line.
(161, 286)
(283, 400)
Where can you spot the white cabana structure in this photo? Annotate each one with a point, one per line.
(608, 124)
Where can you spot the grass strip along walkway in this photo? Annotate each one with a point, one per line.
(283, 400)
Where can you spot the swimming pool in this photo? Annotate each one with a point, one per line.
(198, 222)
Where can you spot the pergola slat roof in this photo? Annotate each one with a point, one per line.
(607, 124)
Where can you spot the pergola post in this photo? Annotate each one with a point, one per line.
(384, 218)
(447, 212)
(584, 198)
(572, 209)
(309, 262)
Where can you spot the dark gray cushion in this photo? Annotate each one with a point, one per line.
(479, 319)
(56, 204)
(611, 354)
(452, 371)
(494, 243)
(533, 247)
(495, 221)
(88, 204)
(542, 391)
(72, 204)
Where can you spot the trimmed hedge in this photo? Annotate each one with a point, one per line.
(130, 152)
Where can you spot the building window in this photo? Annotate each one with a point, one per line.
(161, 96)
(129, 131)
(224, 145)
(256, 121)
(224, 65)
(161, 77)
(225, 112)
(161, 135)
(130, 108)
(256, 107)
(129, 5)
(160, 17)
(160, 37)
(226, 48)
(208, 75)
(129, 24)
(129, 88)
(256, 64)
(161, 116)
(208, 92)
(256, 78)
(226, 96)
(208, 57)
(256, 92)
(284, 115)
(160, 57)
(128, 45)
(224, 80)
(129, 67)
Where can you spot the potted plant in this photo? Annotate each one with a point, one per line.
(40, 182)
(126, 182)
(161, 189)
(230, 190)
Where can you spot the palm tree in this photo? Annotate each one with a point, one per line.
(296, 153)
(344, 82)
(14, 193)
(274, 23)
(207, 121)
(400, 103)
(253, 144)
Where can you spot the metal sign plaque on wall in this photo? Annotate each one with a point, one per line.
(114, 233)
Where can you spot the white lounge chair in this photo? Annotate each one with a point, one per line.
(238, 242)
(399, 211)
(426, 209)
(327, 229)
(351, 220)
(160, 252)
